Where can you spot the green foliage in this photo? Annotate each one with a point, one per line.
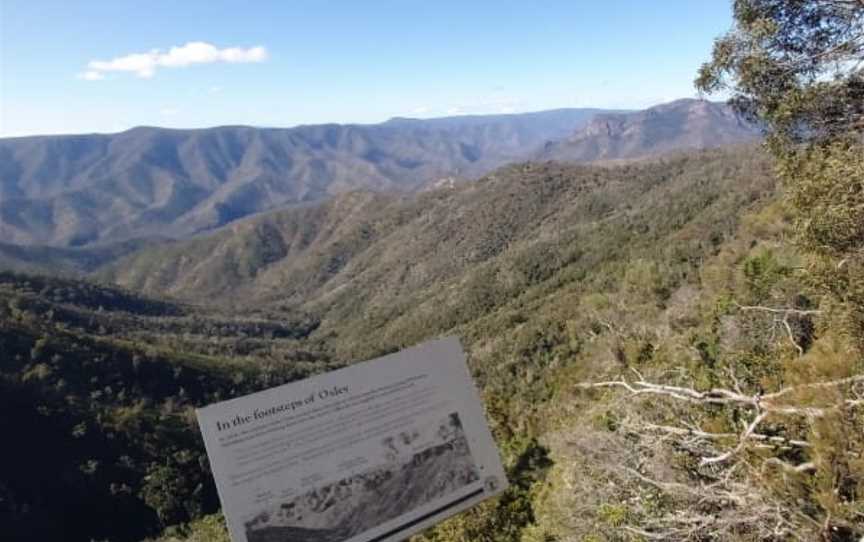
(210, 528)
(796, 66)
(645, 279)
(828, 190)
(793, 65)
(505, 518)
(613, 515)
(168, 490)
(763, 271)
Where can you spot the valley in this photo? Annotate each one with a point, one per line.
(525, 265)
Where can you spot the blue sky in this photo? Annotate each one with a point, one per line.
(65, 66)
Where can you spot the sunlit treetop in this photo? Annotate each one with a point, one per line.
(798, 65)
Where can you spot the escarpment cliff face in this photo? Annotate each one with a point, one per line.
(682, 124)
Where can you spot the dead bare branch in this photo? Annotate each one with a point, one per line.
(742, 441)
(782, 319)
(723, 396)
(778, 310)
(803, 467)
(698, 433)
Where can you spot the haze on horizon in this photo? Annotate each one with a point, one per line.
(108, 66)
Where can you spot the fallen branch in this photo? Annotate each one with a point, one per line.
(803, 467)
(780, 310)
(717, 396)
(742, 441)
(762, 405)
(785, 312)
(698, 433)
(723, 396)
(791, 335)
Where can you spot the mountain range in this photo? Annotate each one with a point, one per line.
(96, 190)
(85, 189)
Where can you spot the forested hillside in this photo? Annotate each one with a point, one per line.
(563, 282)
(98, 387)
(664, 278)
(370, 244)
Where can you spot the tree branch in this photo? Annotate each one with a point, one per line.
(742, 441)
(722, 396)
(698, 433)
(803, 467)
(780, 310)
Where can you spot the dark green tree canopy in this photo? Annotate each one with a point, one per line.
(796, 65)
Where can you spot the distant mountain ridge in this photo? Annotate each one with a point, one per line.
(678, 125)
(80, 190)
(101, 190)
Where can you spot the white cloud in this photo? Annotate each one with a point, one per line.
(195, 52)
(91, 75)
(169, 111)
(422, 110)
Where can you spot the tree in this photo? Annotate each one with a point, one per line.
(797, 67)
(785, 453)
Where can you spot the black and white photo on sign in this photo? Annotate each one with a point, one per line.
(415, 466)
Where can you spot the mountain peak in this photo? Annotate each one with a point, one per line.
(681, 124)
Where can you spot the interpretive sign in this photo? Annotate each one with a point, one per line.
(376, 451)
